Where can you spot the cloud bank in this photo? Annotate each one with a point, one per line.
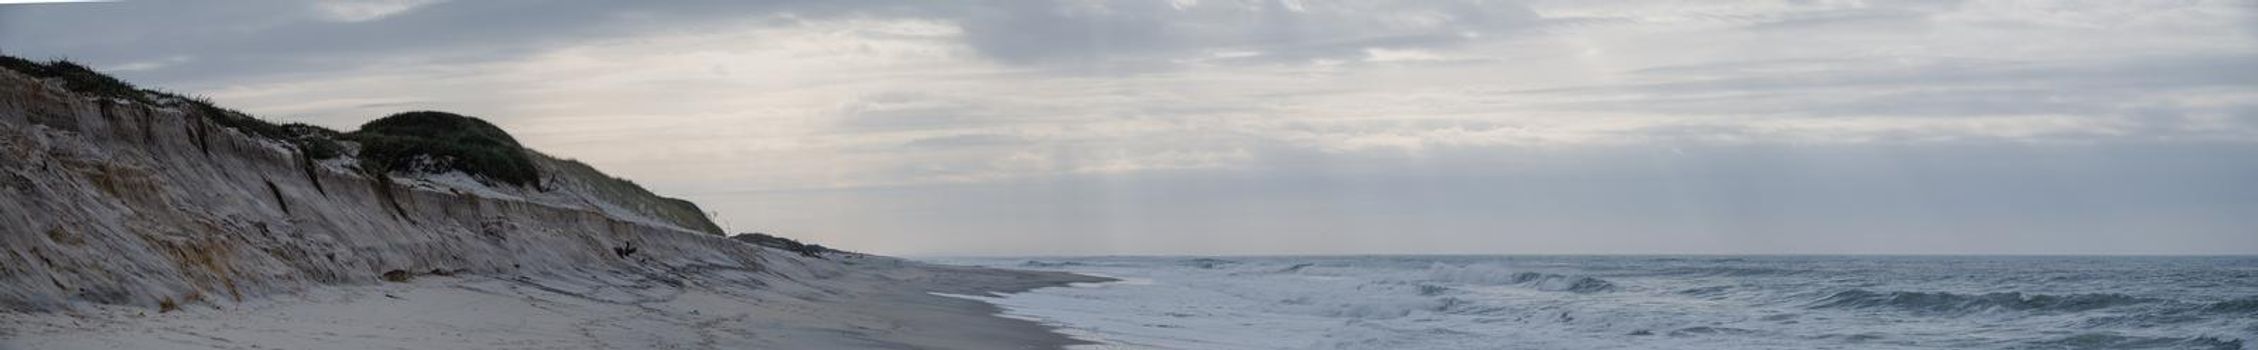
(1301, 126)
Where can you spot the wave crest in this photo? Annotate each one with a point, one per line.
(1735, 271)
(1497, 276)
(1209, 263)
(2116, 341)
(1940, 302)
(2247, 305)
(1049, 264)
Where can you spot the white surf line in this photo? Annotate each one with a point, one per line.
(1117, 280)
(1097, 342)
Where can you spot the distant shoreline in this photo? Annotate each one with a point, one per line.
(1656, 255)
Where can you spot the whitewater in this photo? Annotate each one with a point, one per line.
(1648, 302)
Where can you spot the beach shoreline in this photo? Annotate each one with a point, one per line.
(841, 302)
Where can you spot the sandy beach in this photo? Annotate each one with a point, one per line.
(843, 302)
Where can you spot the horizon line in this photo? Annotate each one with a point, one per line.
(1277, 255)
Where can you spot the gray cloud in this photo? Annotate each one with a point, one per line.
(2129, 73)
(220, 39)
(967, 140)
(1957, 198)
(1301, 126)
(1107, 32)
(909, 111)
(236, 38)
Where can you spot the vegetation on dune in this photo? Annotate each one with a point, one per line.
(422, 141)
(786, 244)
(628, 194)
(398, 142)
(76, 78)
(436, 141)
(315, 141)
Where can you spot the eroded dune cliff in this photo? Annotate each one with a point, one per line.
(140, 201)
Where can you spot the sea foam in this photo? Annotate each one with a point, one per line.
(1491, 302)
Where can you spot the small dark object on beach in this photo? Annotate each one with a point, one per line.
(396, 276)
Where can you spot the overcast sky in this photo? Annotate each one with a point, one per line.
(1300, 126)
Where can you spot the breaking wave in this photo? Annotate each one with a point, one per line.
(1940, 302)
(1209, 263)
(1049, 264)
(2098, 341)
(1734, 271)
(1586, 302)
(1498, 276)
(2247, 305)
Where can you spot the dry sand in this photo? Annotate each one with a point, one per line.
(845, 302)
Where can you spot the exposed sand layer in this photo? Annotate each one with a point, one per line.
(119, 202)
(153, 222)
(857, 302)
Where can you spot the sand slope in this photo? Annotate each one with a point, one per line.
(845, 302)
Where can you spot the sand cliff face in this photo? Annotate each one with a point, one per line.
(115, 202)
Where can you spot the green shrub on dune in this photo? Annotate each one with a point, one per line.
(626, 193)
(438, 141)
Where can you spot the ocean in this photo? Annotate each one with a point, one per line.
(1648, 302)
